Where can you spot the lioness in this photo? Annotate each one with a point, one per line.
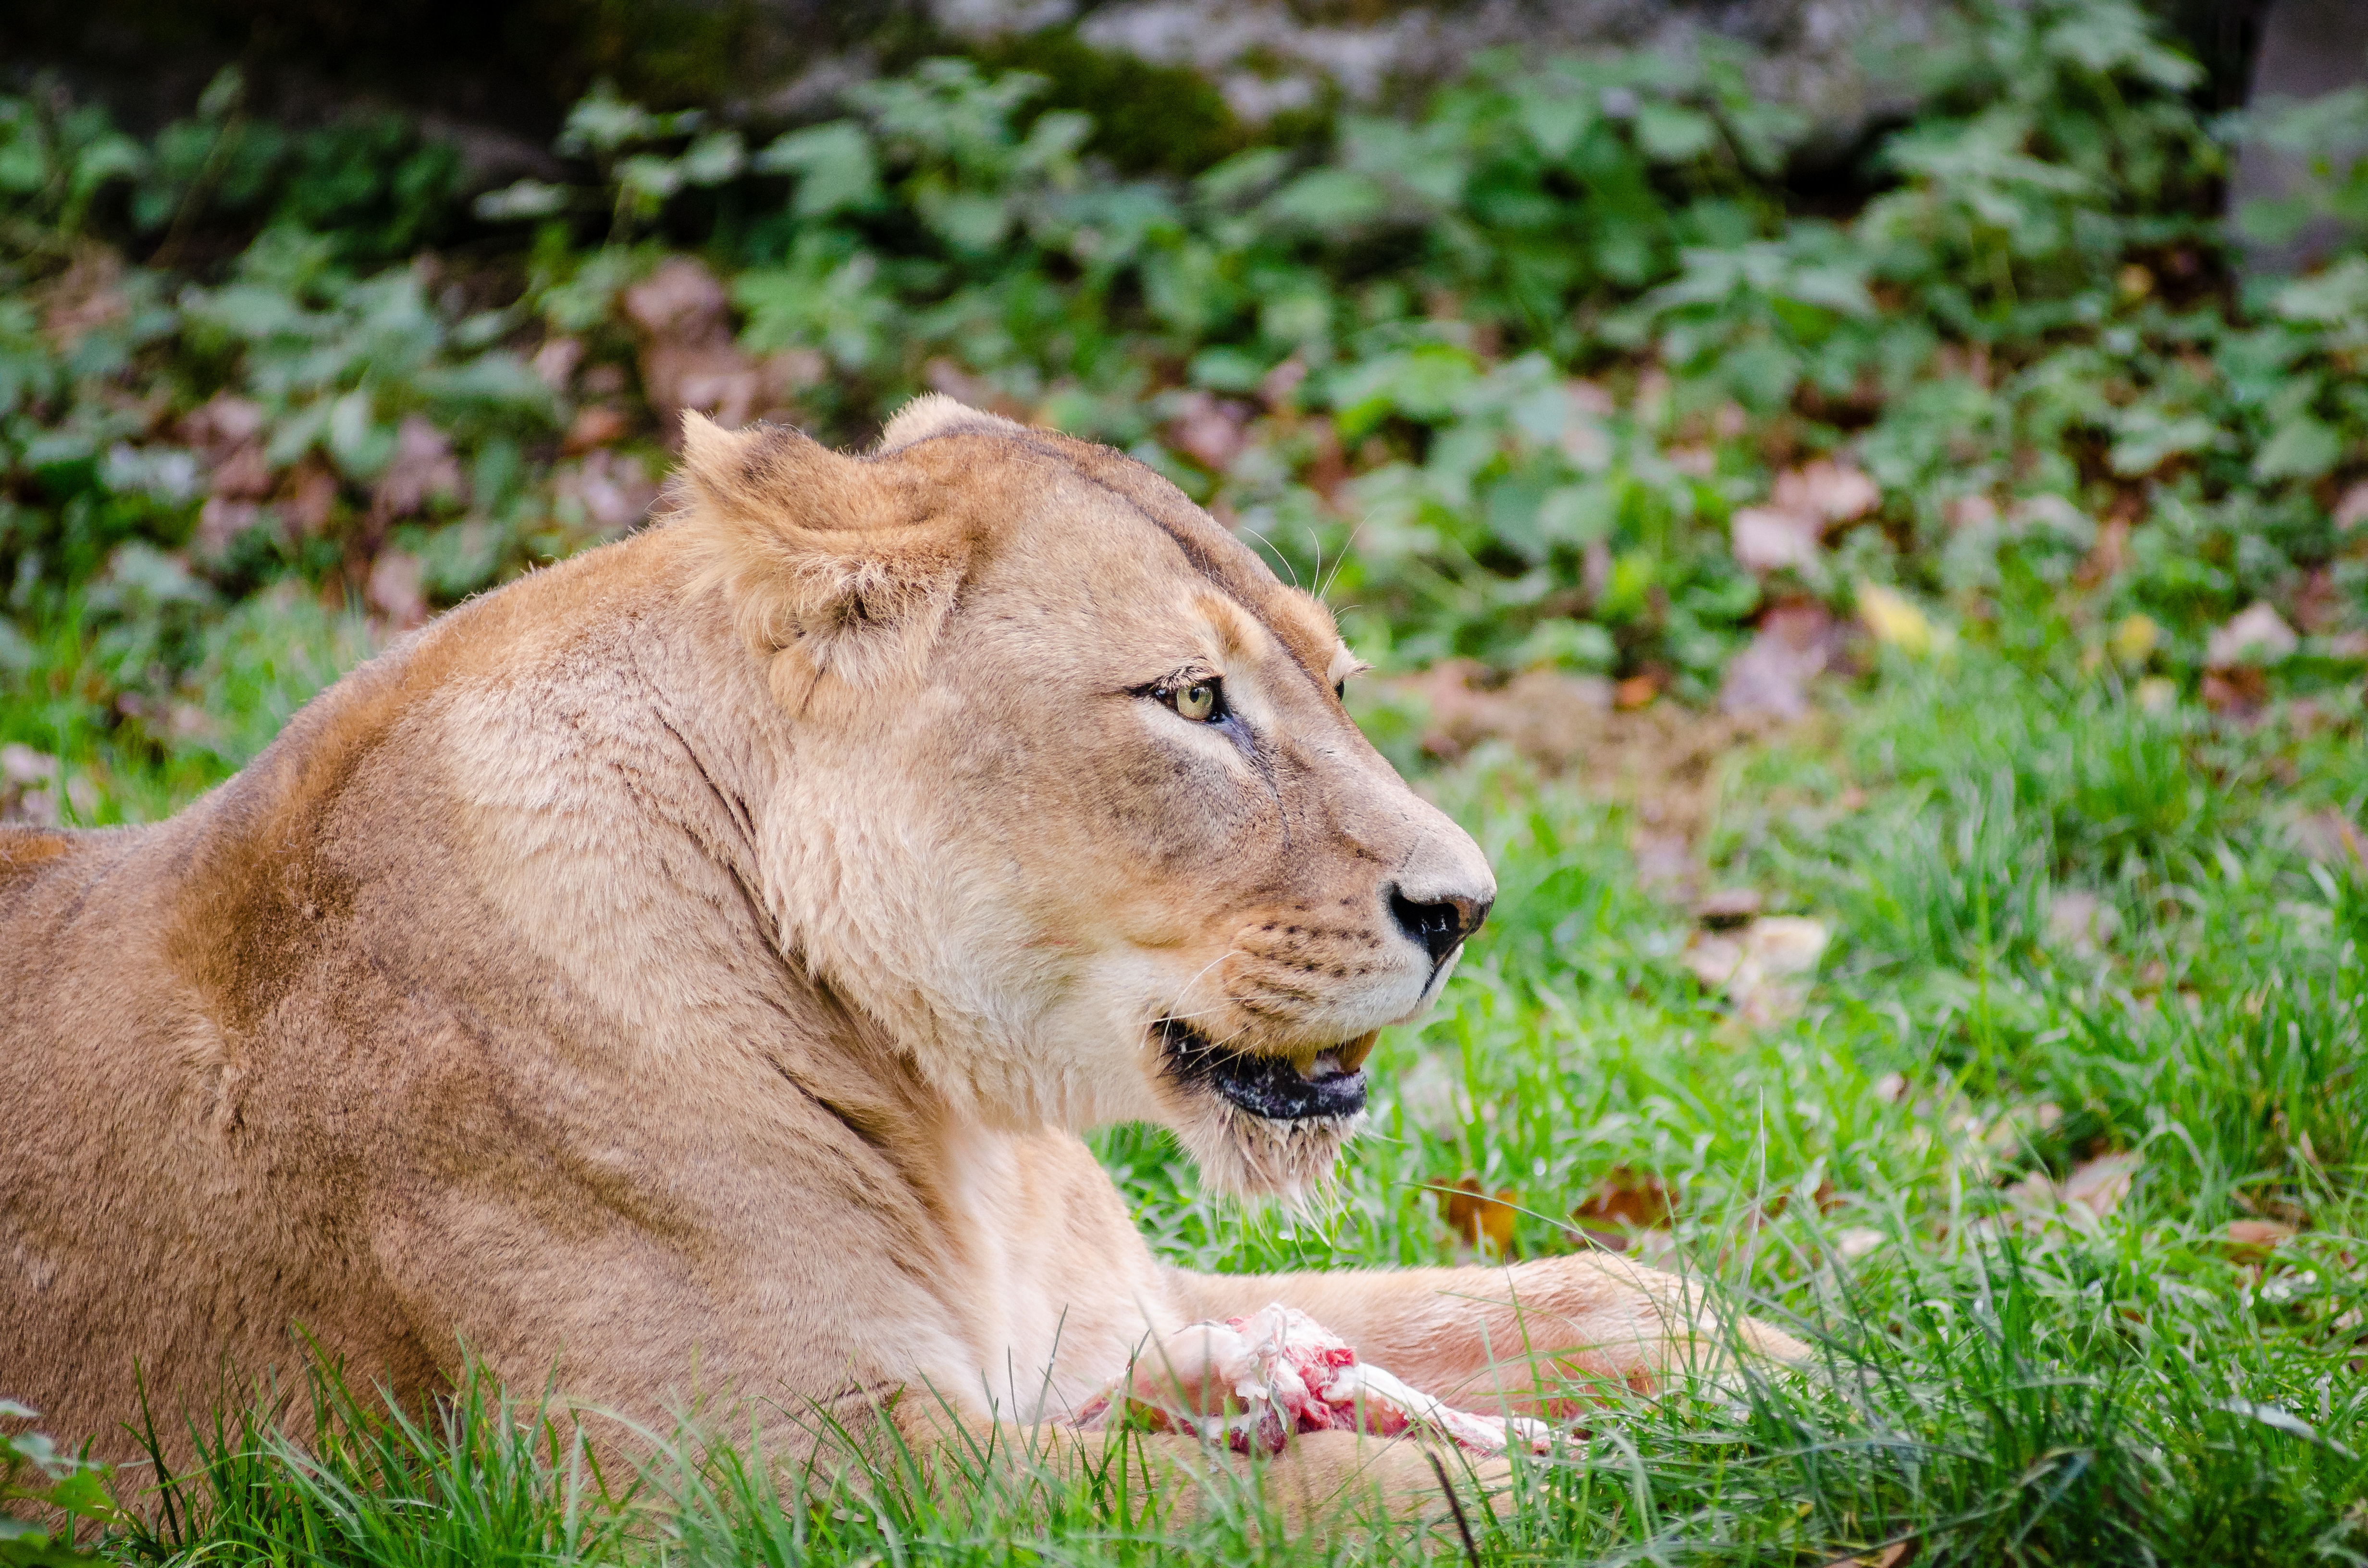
(695, 963)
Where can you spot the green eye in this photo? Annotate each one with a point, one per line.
(1197, 702)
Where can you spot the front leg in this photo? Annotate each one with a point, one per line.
(1511, 1338)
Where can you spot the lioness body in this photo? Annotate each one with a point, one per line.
(690, 982)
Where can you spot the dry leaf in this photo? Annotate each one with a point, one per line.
(1894, 618)
(2099, 1185)
(27, 787)
(790, 371)
(2328, 837)
(1785, 944)
(555, 363)
(221, 423)
(613, 489)
(1855, 1241)
(1752, 965)
(1664, 863)
(1795, 644)
(308, 497)
(1714, 961)
(1626, 1203)
(1277, 385)
(2135, 638)
(595, 424)
(1975, 511)
(1694, 460)
(1210, 430)
(2351, 508)
(1481, 1219)
(1883, 1557)
(1594, 398)
(394, 590)
(2240, 693)
(2255, 635)
(243, 474)
(2252, 1240)
(85, 296)
(688, 359)
(1827, 491)
(422, 468)
(20, 765)
(1764, 539)
(1635, 692)
(2081, 921)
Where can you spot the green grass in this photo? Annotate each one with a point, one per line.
(1999, 1380)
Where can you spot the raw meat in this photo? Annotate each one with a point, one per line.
(1250, 1383)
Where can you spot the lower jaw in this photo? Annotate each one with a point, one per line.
(1273, 1089)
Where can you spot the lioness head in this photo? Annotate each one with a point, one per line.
(1075, 811)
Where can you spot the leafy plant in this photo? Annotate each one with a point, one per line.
(38, 1483)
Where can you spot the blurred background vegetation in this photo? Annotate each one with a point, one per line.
(1612, 362)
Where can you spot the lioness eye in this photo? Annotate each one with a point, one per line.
(1197, 702)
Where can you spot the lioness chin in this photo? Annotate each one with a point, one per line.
(695, 963)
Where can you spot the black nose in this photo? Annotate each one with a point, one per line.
(1439, 927)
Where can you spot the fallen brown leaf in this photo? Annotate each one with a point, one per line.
(2351, 508)
(2099, 1185)
(555, 363)
(2253, 1240)
(2082, 921)
(223, 422)
(2240, 693)
(683, 318)
(393, 589)
(595, 424)
(613, 489)
(2329, 838)
(1210, 430)
(422, 469)
(1625, 1200)
(2255, 635)
(1827, 491)
(308, 497)
(86, 295)
(1764, 539)
(1796, 643)
(1756, 964)
(1635, 692)
(1882, 1557)
(1480, 1218)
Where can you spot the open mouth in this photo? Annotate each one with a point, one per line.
(1279, 1088)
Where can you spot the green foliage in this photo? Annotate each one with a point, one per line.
(43, 1494)
(369, 182)
(1147, 118)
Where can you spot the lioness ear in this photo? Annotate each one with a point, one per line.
(830, 557)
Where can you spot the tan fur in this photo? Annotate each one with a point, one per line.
(693, 965)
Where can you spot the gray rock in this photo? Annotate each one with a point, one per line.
(1834, 60)
(2309, 49)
